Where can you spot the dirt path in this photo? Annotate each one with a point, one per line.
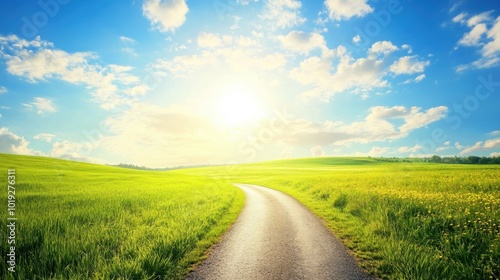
(276, 237)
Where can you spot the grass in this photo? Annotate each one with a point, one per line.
(401, 220)
(81, 221)
(407, 220)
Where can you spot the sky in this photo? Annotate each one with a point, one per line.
(162, 83)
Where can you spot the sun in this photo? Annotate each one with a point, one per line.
(238, 106)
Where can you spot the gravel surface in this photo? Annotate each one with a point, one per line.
(276, 237)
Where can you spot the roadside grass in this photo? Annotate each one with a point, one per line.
(82, 221)
(401, 220)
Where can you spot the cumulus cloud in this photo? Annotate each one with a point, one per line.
(302, 42)
(283, 13)
(41, 105)
(13, 144)
(3, 90)
(383, 47)
(340, 72)
(484, 35)
(165, 15)
(481, 146)
(358, 75)
(37, 61)
(379, 125)
(409, 65)
(346, 9)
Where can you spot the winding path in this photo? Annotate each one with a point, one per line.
(276, 237)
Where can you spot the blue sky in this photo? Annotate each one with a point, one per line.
(179, 82)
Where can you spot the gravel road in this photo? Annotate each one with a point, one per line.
(276, 237)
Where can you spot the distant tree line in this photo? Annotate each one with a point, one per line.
(133, 166)
(464, 160)
(451, 160)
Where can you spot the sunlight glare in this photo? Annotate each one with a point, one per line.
(238, 106)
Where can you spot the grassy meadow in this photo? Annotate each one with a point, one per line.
(82, 221)
(402, 220)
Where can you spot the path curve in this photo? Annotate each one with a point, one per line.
(276, 237)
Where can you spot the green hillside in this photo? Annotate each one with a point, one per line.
(78, 220)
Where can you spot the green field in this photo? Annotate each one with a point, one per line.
(82, 221)
(401, 220)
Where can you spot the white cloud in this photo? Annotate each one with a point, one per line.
(416, 119)
(444, 148)
(3, 90)
(460, 18)
(417, 79)
(494, 154)
(346, 9)
(165, 15)
(235, 58)
(358, 75)
(130, 51)
(245, 2)
(406, 149)
(383, 47)
(409, 65)
(283, 13)
(474, 37)
(13, 144)
(378, 151)
(484, 35)
(495, 133)
(301, 42)
(481, 146)
(42, 62)
(41, 105)
(47, 137)
(407, 47)
(137, 90)
(339, 71)
(126, 39)
(382, 112)
(493, 46)
(477, 19)
(127, 42)
(379, 125)
(208, 40)
(356, 39)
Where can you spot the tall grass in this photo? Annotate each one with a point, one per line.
(401, 220)
(81, 221)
